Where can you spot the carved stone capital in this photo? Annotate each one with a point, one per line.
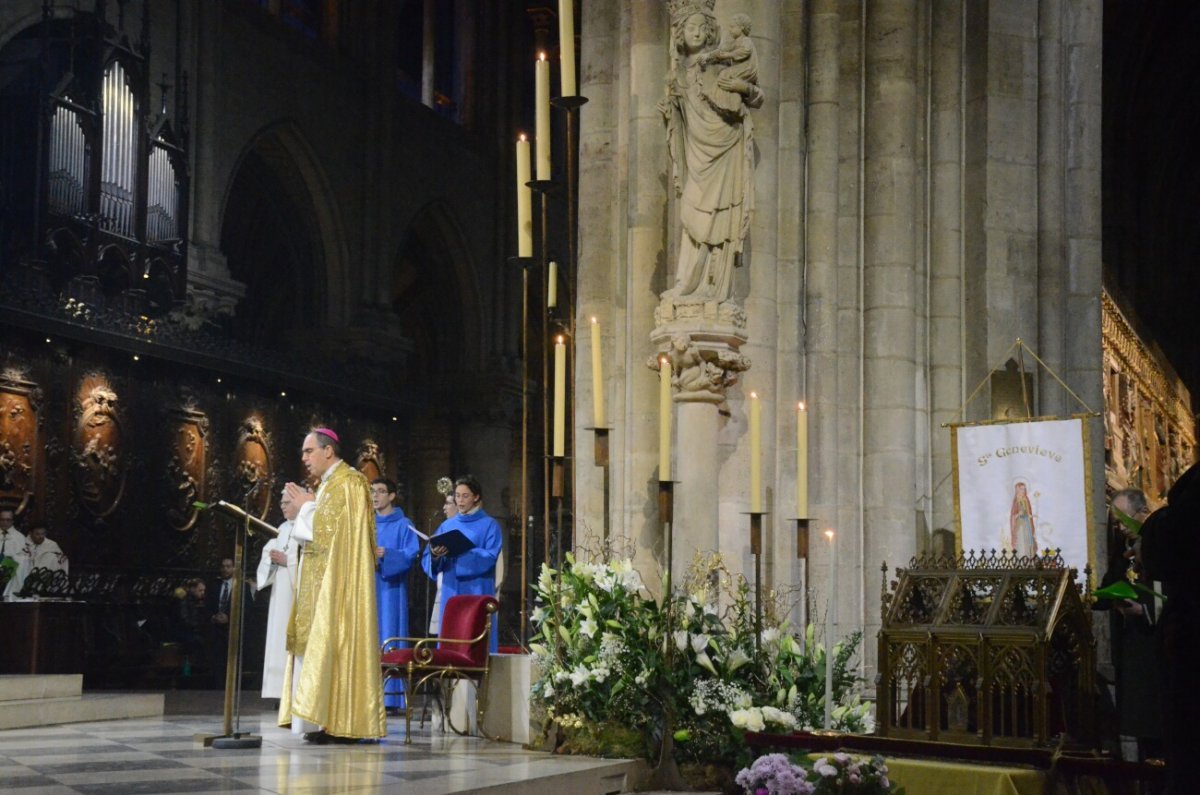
(702, 341)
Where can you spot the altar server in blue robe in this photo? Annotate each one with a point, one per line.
(474, 571)
(396, 548)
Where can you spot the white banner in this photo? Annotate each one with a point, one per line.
(1023, 486)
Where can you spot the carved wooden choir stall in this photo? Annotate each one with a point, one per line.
(991, 649)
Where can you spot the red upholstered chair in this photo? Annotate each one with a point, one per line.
(460, 652)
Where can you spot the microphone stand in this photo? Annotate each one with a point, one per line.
(232, 737)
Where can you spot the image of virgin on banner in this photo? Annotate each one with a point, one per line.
(1023, 487)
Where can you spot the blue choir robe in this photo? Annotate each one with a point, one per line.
(474, 571)
(395, 534)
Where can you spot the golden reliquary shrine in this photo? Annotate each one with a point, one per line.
(989, 649)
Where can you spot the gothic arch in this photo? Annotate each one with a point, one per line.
(435, 291)
(282, 236)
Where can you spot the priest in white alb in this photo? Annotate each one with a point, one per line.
(38, 552)
(280, 556)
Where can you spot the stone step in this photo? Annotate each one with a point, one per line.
(32, 712)
(23, 687)
(604, 777)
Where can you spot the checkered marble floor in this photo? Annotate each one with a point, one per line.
(161, 756)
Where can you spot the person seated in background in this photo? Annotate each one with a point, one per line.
(39, 552)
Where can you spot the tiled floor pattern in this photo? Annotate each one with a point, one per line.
(161, 755)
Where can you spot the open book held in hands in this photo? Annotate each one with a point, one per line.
(455, 542)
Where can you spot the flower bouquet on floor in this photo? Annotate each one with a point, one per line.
(617, 669)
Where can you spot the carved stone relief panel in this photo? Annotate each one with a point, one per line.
(20, 401)
(187, 468)
(97, 445)
(252, 469)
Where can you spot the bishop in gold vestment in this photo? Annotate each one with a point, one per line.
(333, 627)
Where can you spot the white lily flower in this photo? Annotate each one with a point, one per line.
(704, 662)
(588, 627)
(579, 675)
(749, 719)
(548, 690)
(778, 717)
(681, 639)
(737, 658)
(699, 643)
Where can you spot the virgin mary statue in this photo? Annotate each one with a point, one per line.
(711, 140)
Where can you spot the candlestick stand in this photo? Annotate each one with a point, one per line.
(666, 773)
(557, 491)
(524, 263)
(756, 550)
(600, 455)
(571, 105)
(544, 187)
(802, 554)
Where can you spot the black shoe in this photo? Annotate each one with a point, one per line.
(318, 738)
(333, 738)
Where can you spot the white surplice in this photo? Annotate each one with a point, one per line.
(46, 555)
(283, 593)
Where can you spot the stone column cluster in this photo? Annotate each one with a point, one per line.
(926, 191)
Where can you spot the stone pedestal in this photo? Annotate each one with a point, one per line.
(702, 340)
(507, 716)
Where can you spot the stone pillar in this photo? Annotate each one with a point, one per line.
(428, 17)
(622, 253)
(889, 293)
(1083, 366)
(821, 288)
(945, 251)
(1051, 243)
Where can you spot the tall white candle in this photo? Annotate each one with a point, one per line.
(524, 200)
(801, 462)
(597, 378)
(755, 454)
(832, 601)
(566, 45)
(664, 418)
(560, 398)
(552, 286)
(542, 115)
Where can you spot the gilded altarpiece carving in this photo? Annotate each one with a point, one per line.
(369, 459)
(20, 401)
(1149, 427)
(253, 471)
(97, 445)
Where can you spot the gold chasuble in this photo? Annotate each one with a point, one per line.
(333, 625)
